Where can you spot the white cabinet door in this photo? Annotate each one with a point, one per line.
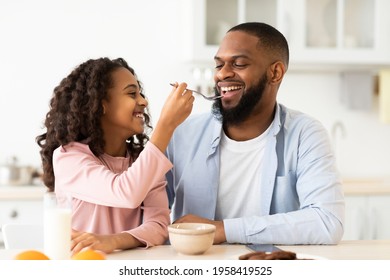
(22, 204)
(367, 217)
(379, 216)
(205, 22)
(338, 33)
(21, 211)
(355, 217)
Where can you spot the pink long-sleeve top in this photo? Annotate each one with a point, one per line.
(113, 194)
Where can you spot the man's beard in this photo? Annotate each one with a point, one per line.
(244, 108)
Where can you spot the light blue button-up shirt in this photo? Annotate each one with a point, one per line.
(301, 199)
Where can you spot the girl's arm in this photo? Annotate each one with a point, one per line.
(152, 231)
(79, 172)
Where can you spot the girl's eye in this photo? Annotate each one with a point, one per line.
(133, 94)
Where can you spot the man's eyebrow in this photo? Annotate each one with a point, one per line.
(234, 57)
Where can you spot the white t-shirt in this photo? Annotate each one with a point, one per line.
(239, 181)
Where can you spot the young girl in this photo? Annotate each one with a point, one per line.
(95, 149)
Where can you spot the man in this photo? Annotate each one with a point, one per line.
(260, 172)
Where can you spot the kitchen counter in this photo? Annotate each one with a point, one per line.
(22, 192)
(351, 186)
(355, 186)
(346, 250)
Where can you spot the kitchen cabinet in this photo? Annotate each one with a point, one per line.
(21, 204)
(349, 33)
(367, 212)
(206, 21)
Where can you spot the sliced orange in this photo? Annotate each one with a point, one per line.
(31, 255)
(89, 254)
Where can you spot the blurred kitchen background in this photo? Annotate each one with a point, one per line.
(339, 71)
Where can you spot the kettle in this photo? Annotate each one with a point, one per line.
(11, 174)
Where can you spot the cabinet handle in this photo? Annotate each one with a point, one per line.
(14, 214)
(374, 224)
(362, 218)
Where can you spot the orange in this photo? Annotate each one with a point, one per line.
(31, 255)
(89, 254)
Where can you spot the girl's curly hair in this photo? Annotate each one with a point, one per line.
(76, 109)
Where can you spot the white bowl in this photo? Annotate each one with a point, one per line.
(191, 238)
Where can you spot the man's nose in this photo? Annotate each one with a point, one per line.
(224, 72)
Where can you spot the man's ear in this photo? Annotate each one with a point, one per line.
(276, 72)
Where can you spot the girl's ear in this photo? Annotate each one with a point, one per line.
(104, 109)
(276, 71)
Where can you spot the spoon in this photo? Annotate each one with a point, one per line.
(203, 95)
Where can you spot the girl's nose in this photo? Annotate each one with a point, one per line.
(142, 101)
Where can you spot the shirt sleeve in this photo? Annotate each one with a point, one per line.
(78, 171)
(153, 229)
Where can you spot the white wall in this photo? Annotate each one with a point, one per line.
(364, 150)
(42, 40)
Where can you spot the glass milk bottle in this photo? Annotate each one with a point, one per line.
(57, 226)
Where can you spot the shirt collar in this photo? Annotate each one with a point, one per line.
(216, 136)
(275, 129)
(277, 122)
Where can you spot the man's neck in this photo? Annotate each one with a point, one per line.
(254, 126)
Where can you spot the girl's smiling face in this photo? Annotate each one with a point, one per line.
(124, 108)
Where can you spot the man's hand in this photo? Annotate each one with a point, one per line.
(219, 233)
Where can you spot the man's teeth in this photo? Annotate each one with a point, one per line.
(230, 88)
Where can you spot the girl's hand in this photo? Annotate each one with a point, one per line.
(81, 240)
(177, 107)
(105, 243)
